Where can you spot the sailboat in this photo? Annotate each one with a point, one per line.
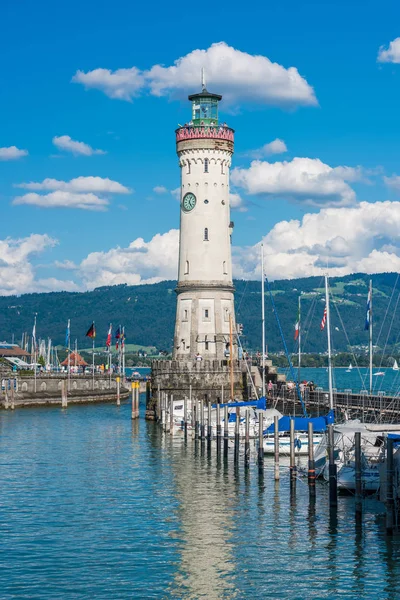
(395, 366)
(349, 370)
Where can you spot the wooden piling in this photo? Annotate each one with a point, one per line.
(226, 432)
(247, 440)
(185, 423)
(133, 386)
(12, 395)
(163, 415)
(390, 503)
(293, 468)
(276, 448)
(261, 442)
(118, 391)
(209, 424)
(196, 419)
(138, 399)
(358, 471)
(218, 430)
(171, 415)
(332, 467)
(158, 415)
(311, 461)
(237, 437)
(64, 398)
(202, 425)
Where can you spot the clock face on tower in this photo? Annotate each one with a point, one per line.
(188, 202)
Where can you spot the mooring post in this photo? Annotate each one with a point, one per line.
(185, 400)
(389, 487)
(247, 440)
(118, 391)
(171, 415)
(138, 399)
(12, 395)
(218, 427)
(209, 424)
(202, 421)
(158, 403)
(332, 467)
(276, 448)
(293, 468)
(163, 410)
(64, 400)
(226, 432)
(133, 388)
(196, 420)
(237, 437)
(261, 442)
(357, 456)
(311, 461)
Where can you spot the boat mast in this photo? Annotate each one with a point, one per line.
(263, 321)
(231, 356)
(299, 325)
(328, 330)
(370, 336)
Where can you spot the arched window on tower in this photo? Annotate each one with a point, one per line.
(206, 234)
(206, 165)
(222, 167)
(188, 167)
(224, 268)
(186, 268)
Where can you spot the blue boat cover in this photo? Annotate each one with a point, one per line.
(301, 423)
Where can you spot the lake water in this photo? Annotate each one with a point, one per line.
(356, 379)
(93, 505)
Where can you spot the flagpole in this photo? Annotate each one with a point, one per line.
(299, 365)
(93, 338)
(370, 336)
(123, 354)
(263, 321)
(34, 346)
(328, 325)
(69, 355)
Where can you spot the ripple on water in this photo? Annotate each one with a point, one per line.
(95, 506)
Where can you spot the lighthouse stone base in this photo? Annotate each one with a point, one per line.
(208, 380)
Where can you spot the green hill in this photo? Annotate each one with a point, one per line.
(148, 312)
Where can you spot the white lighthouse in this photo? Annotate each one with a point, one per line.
(205, 317)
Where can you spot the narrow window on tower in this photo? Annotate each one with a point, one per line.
(185, 315)
(224, 268)
(206, 234)
(186, 268)
(206, 314)
(206, 165)
(206, 345)
(188, 167)
(222, 167)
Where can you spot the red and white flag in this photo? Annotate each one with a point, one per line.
(108, 340)
(323, 319)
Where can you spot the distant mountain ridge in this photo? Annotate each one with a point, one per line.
(148, 312)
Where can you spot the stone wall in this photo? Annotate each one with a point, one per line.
(49, 389)
(206, 378)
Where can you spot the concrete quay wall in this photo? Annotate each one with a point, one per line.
(49, 390)
(206, 379)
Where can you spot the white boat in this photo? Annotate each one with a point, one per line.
(372, 454)
(395, 366)
(349, 370)
(300, 443)
(379, 373)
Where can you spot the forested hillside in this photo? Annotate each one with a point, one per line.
(148, 312)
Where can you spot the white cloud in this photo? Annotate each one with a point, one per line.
(239, 76)
(306, 180)
(277, 146)
(61, 199)
(393, 182)
(347, 240)
(237, 203)
(140, 262)
(390, 54)
(160, 189)
(12, 153)
(64, 142)
(176, 193)
(78, 185)
(17, 275)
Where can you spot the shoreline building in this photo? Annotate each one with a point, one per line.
(204, 354)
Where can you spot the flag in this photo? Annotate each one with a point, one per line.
(68, 334)
(368, 312)
(323, 319)
(108, 340)
(91, 331)
(297, 327)
(34, 333)
(117, 337)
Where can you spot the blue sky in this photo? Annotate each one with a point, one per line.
(340, 128)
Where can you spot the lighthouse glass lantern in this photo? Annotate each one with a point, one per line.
(205, 108)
